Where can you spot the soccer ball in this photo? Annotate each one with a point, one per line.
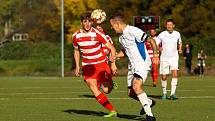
(98, 16)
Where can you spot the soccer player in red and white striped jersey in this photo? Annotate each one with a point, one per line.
(154, 67)
(87, 43)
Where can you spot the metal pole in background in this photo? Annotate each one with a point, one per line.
(62, 38)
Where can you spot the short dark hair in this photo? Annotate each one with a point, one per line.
(170, 20)
(86, 15)
(117, 17)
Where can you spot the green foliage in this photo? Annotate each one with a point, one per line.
(29, 50)
(30, 59)
(202, 42)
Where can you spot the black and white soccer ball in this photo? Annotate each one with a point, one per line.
(98, 16)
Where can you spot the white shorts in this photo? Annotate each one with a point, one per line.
(141, 70)
(168, 64)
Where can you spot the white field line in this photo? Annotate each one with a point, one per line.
(4, 98)
(41, 88)
(81, 92)
(45, 78)
(54, 93)
(192, 97)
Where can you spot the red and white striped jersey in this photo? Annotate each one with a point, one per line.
(149, 48)
(107, 51)
(90, 45)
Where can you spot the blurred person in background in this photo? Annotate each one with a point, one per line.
(187, 53)
(154, 67)
(201, 61)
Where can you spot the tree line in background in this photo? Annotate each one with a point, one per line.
(41, 18)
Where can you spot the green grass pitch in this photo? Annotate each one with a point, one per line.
(69, 99)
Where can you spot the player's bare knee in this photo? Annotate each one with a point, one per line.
(107, 90)
(164, 77)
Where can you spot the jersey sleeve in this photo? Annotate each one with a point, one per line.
(102, 38)
(179, 39)
(140, 35)
(75, 44)
(109, 39)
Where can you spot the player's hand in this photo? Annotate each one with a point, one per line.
(112, 58)
(77, 71)
(113, 68)
(180, 51)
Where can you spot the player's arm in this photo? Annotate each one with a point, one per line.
(77, 61)
(113, 51)
(180, 47)
(155, 50)
(180, 44)
(120, 54)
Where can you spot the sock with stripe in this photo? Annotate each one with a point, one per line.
(164, 85)
(145, 103)
(103, 100)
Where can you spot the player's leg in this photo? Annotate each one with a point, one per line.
(155, 74)
(174, 82)
(100, 97)
(91, 81)
(105, 78)
(142, 96)
(131, 92)
(164, 70)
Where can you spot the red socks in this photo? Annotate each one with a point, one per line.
(103, 100)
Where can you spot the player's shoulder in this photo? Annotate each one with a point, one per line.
(164, 32)
(133, 28)
(176, 32)
(76, 33)
(96, 31)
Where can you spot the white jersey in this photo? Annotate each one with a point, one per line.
(169, 42)
(132, 39)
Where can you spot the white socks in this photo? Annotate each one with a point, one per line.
(145, 103)
(173, 85)
(164, 85)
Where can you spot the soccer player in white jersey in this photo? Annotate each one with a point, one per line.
(132, 39)
(171, 45)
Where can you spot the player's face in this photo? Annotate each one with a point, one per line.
(152, 33)
(170, 26)
(115, 26)
(87, 24)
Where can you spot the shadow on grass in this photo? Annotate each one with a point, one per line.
(99, 113)
(155, 96)
(88, 96)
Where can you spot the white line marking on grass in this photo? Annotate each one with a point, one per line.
(54, 93)
(193, 97)
(73, 98)
(42, 88)
(4, 98)
(45, 78)
(187, 90)
(198, 97)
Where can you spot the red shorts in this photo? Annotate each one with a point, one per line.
(101, 72)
